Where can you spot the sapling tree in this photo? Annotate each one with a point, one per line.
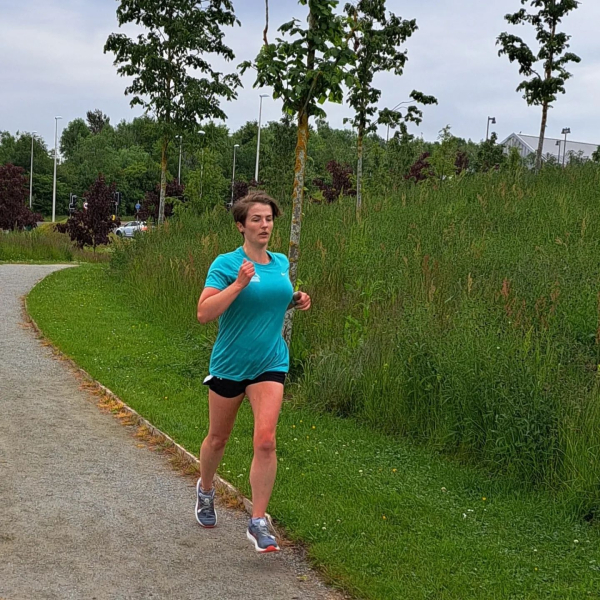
(377, 37)
(305, 68)
(91, 225)
(172, 77)
(543, 84)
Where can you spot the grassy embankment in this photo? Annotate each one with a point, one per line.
(44, 245)
(462, 318)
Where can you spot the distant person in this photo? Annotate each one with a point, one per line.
(249, 291)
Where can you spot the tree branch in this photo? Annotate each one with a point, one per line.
(266, 23)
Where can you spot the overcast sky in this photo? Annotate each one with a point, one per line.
(53, 64)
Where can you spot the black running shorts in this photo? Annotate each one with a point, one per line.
(230, 389)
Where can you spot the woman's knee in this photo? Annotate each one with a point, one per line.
(265, 443)
(217, 442)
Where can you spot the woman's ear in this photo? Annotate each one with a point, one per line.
(240, 227)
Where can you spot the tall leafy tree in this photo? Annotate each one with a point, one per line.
(377, 37)
(164, 60)
(305, 70)
(543, 84)
(72, 135)
(97, 121)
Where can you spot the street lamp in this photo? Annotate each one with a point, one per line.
(55, 157)
(558, 143)
(235, 147)
(258, 142)
(491, 120)
(565, 132)
(202, 132)
(180, 147)
(31, 173)
(387, 138)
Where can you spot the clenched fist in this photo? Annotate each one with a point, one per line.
(245, 274)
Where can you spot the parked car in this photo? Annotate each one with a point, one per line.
(131, 228)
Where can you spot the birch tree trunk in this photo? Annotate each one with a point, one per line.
(548, 75)
(359, 171)
(163, 182)
(538, 158)
(298, 200)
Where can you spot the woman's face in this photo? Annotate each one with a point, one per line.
(259, 224)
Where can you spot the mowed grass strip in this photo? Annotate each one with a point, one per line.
(380, 518)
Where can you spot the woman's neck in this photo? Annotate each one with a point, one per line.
(258, 255)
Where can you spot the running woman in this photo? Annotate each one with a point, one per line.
(249, 291)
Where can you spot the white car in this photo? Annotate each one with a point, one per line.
(131, 228)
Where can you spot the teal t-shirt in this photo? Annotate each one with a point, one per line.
(250, 340)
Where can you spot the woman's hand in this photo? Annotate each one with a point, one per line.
(301, 301)
(245, 274)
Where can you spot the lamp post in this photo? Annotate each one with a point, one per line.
(202, 133)
(258, 142)
(387, 138)
(31, 173)
(235, 147)
(491, 120)
(565, 132)
(558, 143)
(55, 157)
(180, 148)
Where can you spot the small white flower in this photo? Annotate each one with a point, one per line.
(464, 515)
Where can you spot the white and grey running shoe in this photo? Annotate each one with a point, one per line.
(205, 507)
(258, 533)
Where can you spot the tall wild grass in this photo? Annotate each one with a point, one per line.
(43, 244)
(464, 315)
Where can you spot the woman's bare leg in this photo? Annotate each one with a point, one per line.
(266, 399)
(222, 413)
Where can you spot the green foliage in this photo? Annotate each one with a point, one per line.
(443, 158)
(546, 83)
(165, 60)
(207, 187)
(491, 154)
(17, 151)
(309, 68)
(72, 135)
(162, 61)
(97, 121)
(376, 38)
(42, 194)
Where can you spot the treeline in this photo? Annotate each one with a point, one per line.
(128, 154)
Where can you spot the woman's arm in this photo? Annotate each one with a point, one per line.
(213, 302)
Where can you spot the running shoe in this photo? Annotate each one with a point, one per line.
(205, 507)
(258, 533)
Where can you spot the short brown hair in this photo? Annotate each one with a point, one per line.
(242, 206)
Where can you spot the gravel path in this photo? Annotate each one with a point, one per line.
(86, 513)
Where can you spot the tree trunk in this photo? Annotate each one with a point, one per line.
(359, 171)
(548, 74)
(538, 159)
(298, 199)
(163, 182)
(266, 24)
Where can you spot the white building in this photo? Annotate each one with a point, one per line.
(528, 144)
